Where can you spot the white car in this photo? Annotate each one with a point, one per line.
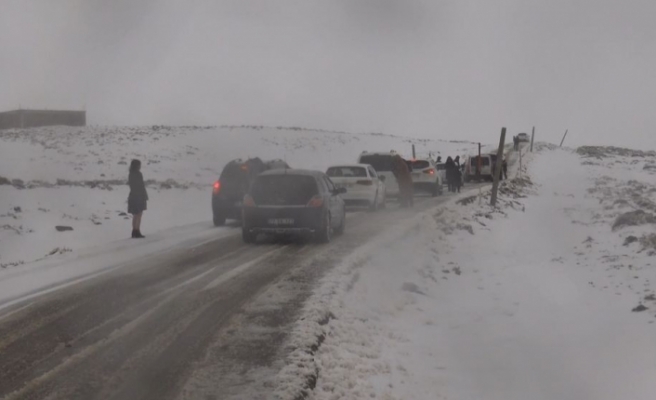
(382, 165)
(364, 187)
(425, 176)
(486, 163)
(441, 171)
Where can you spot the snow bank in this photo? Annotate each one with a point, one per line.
(532, 299)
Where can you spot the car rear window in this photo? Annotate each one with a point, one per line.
(235, 178)
(347, 172)
(485, 161)
(380, 162)
(419, 164)
(283, 190)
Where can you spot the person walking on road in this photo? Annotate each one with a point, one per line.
(137, 198)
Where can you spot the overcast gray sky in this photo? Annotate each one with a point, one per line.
(441, 69)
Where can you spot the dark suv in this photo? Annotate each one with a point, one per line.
(291, 201)
(228, 192)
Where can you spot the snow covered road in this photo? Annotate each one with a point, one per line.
(205, 319)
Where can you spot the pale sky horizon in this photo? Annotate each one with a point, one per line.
(433, 69)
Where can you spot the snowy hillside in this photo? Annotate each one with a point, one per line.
(76, 176)
(552, 295)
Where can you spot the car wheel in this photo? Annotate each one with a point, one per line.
(435, 190)
(219, 220)
(325, 234)
(374, 204)
(342, 227)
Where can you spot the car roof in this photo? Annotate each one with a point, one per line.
(380, 153)
(349, 165)
(300, 172)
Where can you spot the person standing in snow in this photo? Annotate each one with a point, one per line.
(450, 167)
(137, 198)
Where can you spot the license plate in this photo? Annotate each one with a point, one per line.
(281, 221)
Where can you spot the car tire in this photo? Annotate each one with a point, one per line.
(325, 234)
(373, 207)
(219, 220)
(342, 227)
(248, 237)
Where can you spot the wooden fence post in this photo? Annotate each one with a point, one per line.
(497, 169)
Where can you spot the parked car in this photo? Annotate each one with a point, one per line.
(441, 172)
(486, 167)
(364, 186)
(425, 177)
(523, 137)
(382, 164)
(296, 202)
(235, 179)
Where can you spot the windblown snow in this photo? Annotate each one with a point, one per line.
(548, 296)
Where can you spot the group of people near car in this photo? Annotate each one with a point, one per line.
(453, 174)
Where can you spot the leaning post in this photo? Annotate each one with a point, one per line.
(497, 168)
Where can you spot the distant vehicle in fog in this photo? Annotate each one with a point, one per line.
(235, 179)
(523, 137)
(486, 167)
(363, 184)
(293, 202)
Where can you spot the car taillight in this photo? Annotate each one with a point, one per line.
(217, 187)
(365, 183)
(429, 171)
(248, 201)
(315, 202)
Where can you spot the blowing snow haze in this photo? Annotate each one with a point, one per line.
(449, 69)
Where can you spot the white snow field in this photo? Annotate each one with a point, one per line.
(76, 177)
(538, 299)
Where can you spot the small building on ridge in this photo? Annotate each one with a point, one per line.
(35, 118)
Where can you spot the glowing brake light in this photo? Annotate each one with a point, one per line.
(315, 202)
(429, 171)
(248, 201)
(217, 187)
(365, 183)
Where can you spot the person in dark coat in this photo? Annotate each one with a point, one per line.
(457, 175)
(137, 198)
(457, 161)
(450, 167)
